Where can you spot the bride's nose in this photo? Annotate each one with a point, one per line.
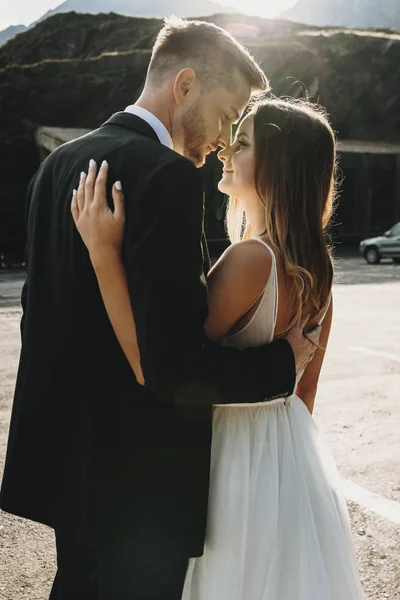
(224, 154)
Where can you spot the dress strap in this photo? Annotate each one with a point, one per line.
(274, 275)
(326, 308)
(276, 284)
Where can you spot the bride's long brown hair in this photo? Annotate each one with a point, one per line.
(295, 178)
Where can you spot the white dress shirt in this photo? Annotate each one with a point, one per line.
(155, 123)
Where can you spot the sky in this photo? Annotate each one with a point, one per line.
(23, 12)
(17, 12)
(260, 8)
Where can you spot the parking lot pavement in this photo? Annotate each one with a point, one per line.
(11, 283)
(352, 268)
(358, 408)
(359, 392)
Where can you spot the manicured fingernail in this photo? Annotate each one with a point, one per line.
(91, 163)
(104, 163)
(82, 174)
(73, 193)
(118, 185)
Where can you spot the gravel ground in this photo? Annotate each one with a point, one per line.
(358, 408)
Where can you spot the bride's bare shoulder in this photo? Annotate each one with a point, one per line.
(235, 283)
(244, 267)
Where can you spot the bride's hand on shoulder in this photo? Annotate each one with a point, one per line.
(101, 228)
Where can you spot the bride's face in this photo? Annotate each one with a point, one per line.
(239, 164)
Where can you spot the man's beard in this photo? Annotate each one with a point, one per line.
(194, 135)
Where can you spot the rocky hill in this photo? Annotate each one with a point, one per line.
(358, 14)
(80, 36)
(76, 70)
(83, 36)
(141, 8)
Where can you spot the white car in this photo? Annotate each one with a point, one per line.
(383, 246)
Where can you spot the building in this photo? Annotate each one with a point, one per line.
(370, 192)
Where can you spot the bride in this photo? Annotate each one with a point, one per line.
(278, 527)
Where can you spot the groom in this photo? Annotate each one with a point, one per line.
(121, 471)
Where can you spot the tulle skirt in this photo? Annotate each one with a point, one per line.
(278, 526)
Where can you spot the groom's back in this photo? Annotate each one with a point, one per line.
(77, 403)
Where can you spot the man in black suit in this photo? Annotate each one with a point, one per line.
(120, 471)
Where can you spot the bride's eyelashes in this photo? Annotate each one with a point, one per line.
(239, 144)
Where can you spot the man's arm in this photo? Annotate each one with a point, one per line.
(169, 301)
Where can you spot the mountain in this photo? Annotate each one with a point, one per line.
(357, 14)
(10, 32)
(142, 8)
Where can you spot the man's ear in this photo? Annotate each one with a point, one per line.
(184, 84)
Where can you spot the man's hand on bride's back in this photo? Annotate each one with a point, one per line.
(101, 229)
(303, 347)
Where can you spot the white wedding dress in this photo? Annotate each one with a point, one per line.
(278, 527)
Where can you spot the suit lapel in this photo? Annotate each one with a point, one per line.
(130, 121)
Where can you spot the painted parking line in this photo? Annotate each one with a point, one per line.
(389, 509)
(369, 351)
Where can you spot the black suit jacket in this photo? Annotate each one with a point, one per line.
(90, 450)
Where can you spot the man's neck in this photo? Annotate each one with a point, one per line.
(157, 110)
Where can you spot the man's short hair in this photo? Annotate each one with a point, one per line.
(212, 52)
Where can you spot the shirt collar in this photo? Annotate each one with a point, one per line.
(155, 123)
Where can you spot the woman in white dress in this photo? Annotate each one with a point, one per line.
(278, 527)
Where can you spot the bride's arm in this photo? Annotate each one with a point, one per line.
(102, 231)
(308, 384)
(235, 284)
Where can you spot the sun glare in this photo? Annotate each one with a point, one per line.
(260, 8)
